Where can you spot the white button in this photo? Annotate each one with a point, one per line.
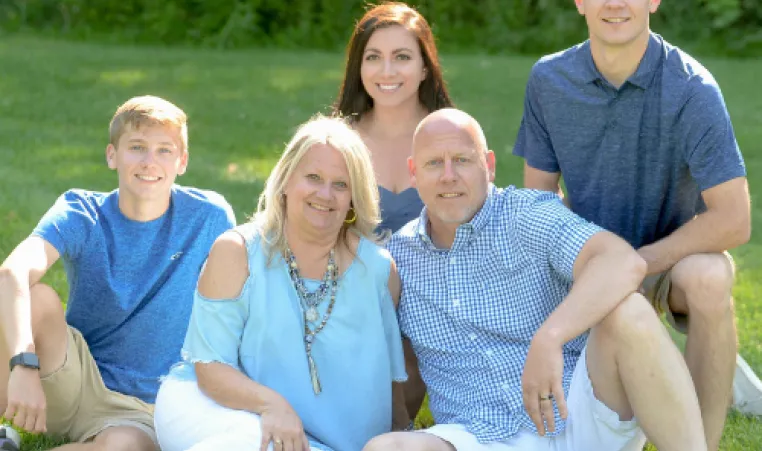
(505, 387)
(456, 302)
(472, 336)
(453, 260)
(489, 352)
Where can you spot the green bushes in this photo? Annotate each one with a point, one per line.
(527, 26)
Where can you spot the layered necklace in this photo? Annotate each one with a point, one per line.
(310, 301)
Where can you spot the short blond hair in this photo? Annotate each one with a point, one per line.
(334, 132)
(146, 111)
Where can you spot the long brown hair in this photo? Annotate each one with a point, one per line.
(353, 100)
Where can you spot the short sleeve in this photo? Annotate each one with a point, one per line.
(224, 220)
(711, 148)
(533, 141)
(67, 224)
(553, 234)
(215, 329)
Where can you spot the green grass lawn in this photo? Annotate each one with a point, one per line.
(56, 99)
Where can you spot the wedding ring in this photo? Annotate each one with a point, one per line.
(546, 398)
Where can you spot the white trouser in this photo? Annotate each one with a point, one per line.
(592, 426)
(186, 419)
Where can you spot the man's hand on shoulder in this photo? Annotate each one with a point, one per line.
(26, 400)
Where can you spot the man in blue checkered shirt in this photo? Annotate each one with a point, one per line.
(500, 331)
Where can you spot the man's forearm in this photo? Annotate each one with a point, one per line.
(709, 232)
(606, 280)
(15, 314)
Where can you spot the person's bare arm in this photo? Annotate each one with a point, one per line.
(606, 271)
(725, 224)
(400, 415)
(544, 181)
(23, 268)
(223, 277)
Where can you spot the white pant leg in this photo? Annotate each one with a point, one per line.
(462, 440)
(185, 418)
(591, 424)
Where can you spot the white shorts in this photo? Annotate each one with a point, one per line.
(186, 419)
(591, 426)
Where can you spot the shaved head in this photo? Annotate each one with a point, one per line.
(452, 168)
(448, 121)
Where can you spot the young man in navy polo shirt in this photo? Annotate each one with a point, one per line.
(640, 133)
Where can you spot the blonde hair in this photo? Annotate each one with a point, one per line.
(147, 111)
(271, 209)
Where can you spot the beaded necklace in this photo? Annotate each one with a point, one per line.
(309, 302)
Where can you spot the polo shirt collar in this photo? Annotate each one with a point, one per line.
(642, 76)
(648, 65)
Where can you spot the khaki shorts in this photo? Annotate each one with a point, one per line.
(79, 404)
(657, 287)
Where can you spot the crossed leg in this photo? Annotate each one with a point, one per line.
(51, 340)
(635, 370)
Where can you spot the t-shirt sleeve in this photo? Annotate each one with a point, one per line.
(552, 234)
(533, 141)
(224, 217)
(67, 224)
(711, 148)
(215, 330)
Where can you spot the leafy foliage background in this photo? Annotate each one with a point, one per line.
(726, 27)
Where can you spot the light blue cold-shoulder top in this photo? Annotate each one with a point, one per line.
(358, 354)
(397, 209)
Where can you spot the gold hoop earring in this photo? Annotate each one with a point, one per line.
(354, 217)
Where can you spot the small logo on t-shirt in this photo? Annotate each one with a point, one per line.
(176, 256)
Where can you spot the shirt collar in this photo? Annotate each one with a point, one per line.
(642, 76)
(469, 229)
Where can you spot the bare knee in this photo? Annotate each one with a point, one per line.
(123, 438)
(632, 319)
(398, 441)
(49, 328)
(48, 320)
(47, 310)
(705, 282)
(383, 442)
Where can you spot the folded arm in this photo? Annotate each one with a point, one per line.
(725, 224)
(23, 268)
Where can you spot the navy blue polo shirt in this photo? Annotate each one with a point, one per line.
(634, 159)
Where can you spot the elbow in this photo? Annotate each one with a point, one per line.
(738, 232)
(8, 277)
(743, 232)
(205, 380)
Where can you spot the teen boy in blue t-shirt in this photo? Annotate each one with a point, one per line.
(132, 258)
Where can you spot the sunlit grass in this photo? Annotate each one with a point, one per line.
(56, 99)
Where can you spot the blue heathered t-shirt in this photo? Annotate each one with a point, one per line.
(634, 160)
(131, 283)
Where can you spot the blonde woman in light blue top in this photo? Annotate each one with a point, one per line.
(293, 343)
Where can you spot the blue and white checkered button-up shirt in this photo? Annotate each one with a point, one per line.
(471, 311)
